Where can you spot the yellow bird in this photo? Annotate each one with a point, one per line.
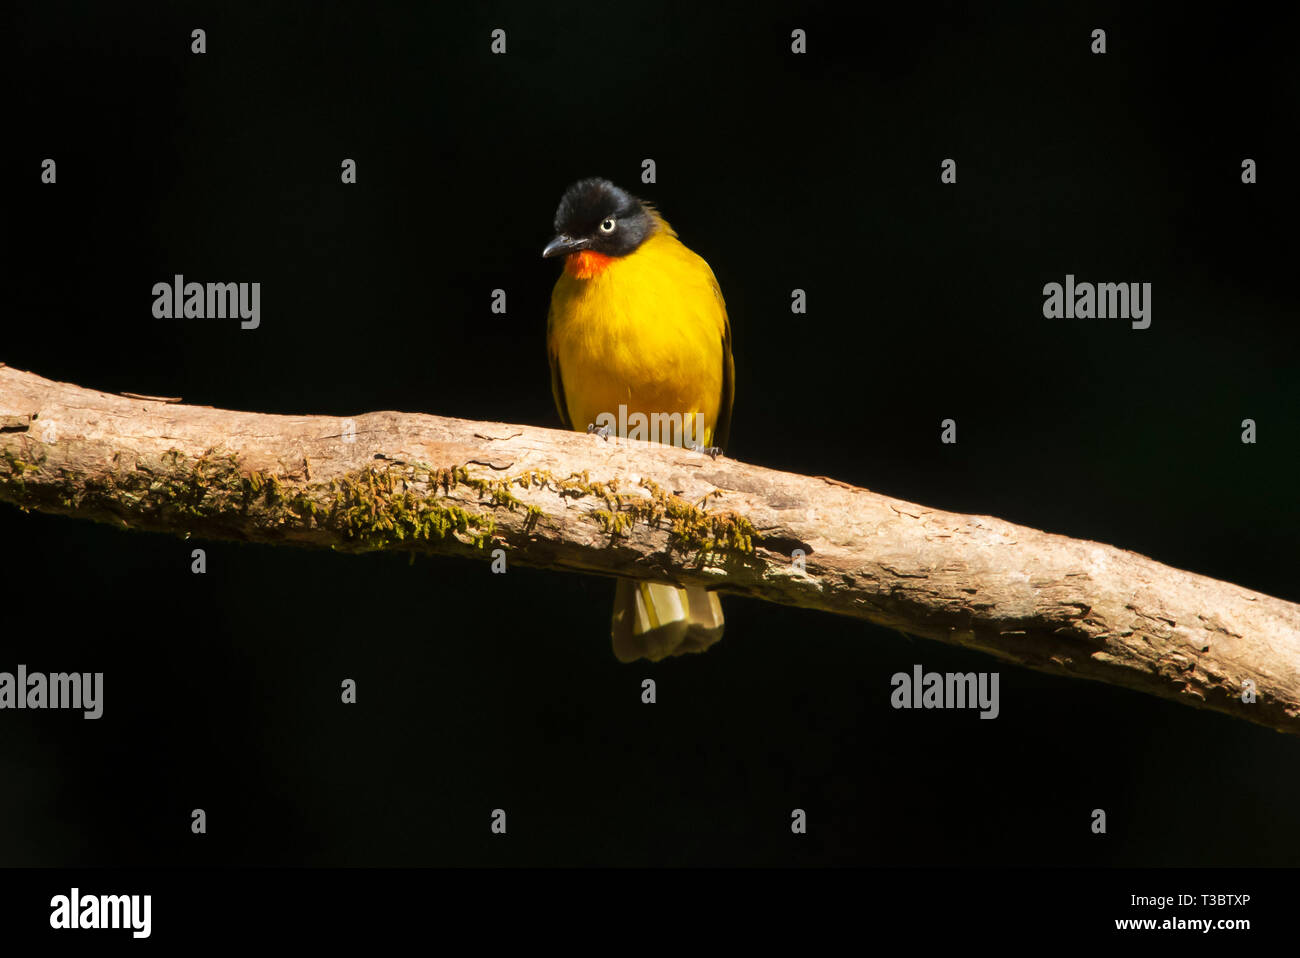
(638, 326)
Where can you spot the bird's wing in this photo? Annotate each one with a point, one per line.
(723, 427)
(557, 383)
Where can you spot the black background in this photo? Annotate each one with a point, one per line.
(925, 302)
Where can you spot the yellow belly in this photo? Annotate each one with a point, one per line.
(646, 334)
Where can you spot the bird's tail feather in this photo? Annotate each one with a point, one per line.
(653, 620)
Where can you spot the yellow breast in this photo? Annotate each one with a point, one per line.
(646, 333)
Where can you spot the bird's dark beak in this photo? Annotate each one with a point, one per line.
(563, 245)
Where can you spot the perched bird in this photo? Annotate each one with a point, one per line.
(637, 320)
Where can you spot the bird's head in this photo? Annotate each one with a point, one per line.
(596, 223)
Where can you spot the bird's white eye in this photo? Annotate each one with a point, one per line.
(607, 225)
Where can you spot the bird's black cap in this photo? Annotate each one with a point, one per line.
(595, 214)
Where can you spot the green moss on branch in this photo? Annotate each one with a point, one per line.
(382, 506)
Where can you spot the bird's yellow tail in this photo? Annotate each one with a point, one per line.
(653, 620)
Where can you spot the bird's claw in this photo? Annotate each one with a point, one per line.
(603, 431)
(713, 452)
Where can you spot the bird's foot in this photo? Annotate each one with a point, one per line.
(603, 431)
(713, 452)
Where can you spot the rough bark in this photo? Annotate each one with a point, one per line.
(562, 500)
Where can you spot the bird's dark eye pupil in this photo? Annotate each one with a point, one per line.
(607, 226)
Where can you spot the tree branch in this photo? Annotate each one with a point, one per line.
(564, 500)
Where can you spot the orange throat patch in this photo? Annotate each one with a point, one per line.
(587, 264)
